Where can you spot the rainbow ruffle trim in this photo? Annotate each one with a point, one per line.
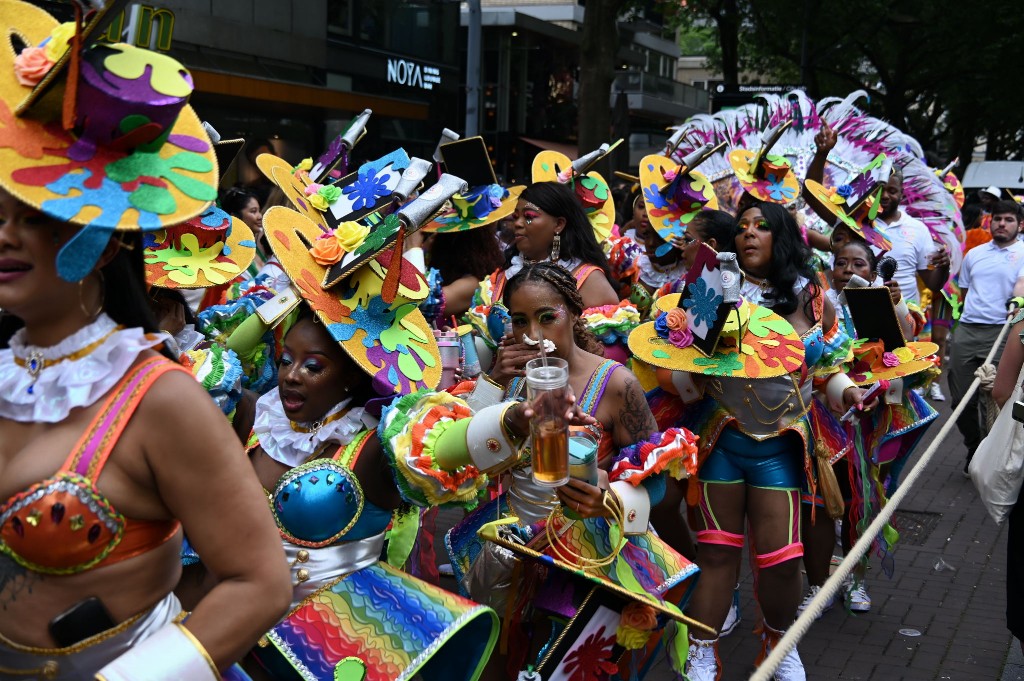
(674, 451)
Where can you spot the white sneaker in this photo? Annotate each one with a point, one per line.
(702, 660)
(791, 668)
(857, 598)
(812, 591)
(935, 393)
(732, 620)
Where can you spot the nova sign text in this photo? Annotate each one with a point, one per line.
(412, 74)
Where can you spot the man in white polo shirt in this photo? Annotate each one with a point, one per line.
(912, 246)
(990, 275)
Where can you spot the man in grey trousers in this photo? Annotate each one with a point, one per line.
(990, 275)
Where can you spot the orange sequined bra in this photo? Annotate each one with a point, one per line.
(64, 525)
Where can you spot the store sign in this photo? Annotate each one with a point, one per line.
(411, 74)
(142, 26)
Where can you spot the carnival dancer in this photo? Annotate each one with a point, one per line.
(759, 438)
(107, 449)
(331, 475)
(887, 435)
(464, 250)
(631, 455)
(567, 243)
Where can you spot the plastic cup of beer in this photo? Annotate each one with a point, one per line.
(547, 385)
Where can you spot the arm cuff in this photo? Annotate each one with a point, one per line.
(486, 393)
(489, 446)
(835, 388)
(171, 653)
(636, 506)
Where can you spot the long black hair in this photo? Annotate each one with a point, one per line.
(456, 254)
(717, 225)
(564, 284)
(235, 199)
(791, 259)
(578, 240)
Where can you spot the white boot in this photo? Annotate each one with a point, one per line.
(702, 662)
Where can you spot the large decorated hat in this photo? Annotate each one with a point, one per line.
(763, 175)
(709, 329)
(486, 202)
(358, 283)
(590, 187)
(880, 351)
(856, 203)
(208, 250)
(675, 193)
(754, 343)
(97, 135)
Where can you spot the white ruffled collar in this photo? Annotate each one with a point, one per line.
(655, 276)
(284, 444)
(570, 265)
(63, 384)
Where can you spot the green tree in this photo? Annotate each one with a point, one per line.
(944, 72)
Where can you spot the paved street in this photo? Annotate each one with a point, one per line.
(958, 609)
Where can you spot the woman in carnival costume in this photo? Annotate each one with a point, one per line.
(331, 475)
(563, 217)
(464, 250)
(760, 439)
(545, 306)
(888, 434)
(98, 480)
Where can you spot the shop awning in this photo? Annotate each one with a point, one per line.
(569, 150)
(292, 94)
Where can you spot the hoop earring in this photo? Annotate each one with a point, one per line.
(556, 247)
(103, 293)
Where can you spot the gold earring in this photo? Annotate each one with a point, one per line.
(81, 301)
(556, 247)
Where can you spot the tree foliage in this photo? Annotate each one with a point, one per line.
(945, 72)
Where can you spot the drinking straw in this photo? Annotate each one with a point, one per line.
(543, 354)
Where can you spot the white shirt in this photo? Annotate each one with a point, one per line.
(911, 247)
(989, 273)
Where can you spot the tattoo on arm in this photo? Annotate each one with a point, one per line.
(13, 580)
(636, 417)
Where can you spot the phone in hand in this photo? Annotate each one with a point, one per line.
(81, 621)
(1018, 412)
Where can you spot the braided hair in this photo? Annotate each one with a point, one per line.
(564, 284)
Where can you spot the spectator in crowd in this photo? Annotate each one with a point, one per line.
(912, 246)
(990, 275)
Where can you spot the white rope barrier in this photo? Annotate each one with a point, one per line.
(803, 623)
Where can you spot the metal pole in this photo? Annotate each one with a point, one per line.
(473, 84)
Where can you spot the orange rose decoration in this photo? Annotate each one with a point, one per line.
(31, 65)
(676, 319)
(326, 250)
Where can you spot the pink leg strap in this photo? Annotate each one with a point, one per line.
(720, 537)
(787, 552)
